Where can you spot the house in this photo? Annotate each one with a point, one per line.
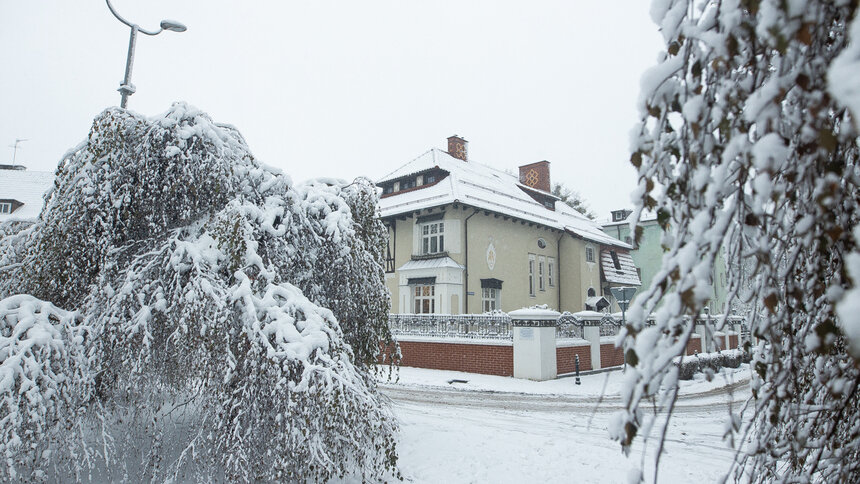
(648, 254)
(467, 238)
(21, 192)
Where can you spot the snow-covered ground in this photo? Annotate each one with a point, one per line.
(498, 429)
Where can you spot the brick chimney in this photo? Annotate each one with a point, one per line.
(458, 147)
(536, 175)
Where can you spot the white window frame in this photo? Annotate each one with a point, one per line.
(491, 299)
(550, 271)
(421, 294)
(5, 207)
(589, 253)
(433, 233)
(542, 273)
(531, 275)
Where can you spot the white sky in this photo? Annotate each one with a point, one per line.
(347, 88)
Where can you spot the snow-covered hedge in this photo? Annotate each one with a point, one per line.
(217, 329)
(690, 365)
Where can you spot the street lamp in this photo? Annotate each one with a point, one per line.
(127, 88)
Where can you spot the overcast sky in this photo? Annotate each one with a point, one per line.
(347, 88)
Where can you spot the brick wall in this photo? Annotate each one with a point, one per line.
(472, 358)
(733, 341)
(610, 355)
(694, 345)
(566, 362)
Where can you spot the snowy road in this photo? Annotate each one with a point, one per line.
(451, 435)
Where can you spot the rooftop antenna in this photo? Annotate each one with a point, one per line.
(15, 148)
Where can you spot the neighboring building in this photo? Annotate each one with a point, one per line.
(21, 192)
(648, 254)
(468, 238)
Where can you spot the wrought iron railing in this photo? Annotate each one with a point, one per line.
(478, 326)
(569, 326)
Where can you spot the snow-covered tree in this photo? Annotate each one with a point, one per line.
(742, 146)
(572, 198)
(223, 322)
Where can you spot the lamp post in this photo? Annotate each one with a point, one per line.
(127, 88)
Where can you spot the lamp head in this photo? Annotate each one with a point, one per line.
(173, 25)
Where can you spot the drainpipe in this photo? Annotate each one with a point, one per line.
(558, 269)
(466, 260)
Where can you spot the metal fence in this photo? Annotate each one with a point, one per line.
(498, 325)
(569, 326)
(478, 326)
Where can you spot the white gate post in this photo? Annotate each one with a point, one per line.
(534, 343)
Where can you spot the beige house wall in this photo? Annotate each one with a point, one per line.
(512, 242)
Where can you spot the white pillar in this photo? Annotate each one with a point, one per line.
(534, 343)
(706, 339)
(592, 334)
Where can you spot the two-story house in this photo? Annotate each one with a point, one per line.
(466, 238)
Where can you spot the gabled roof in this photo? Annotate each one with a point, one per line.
(487, 188)
(27, 187)
(624, 272)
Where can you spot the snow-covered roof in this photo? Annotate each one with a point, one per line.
(593, 300)
(435, 263)
(646, 217)
(27, 187)
(624, 272)
(487, 188)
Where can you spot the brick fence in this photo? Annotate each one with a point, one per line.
(610, 355)
(486, 359)
(566, 357)
(452, 343)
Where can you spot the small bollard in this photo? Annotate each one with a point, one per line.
(577, 370)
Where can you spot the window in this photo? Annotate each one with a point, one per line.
(433, 238)
(591, 292)
(5, 207)
(387, 189)
(531, 274)
(407, 184)
(589, 254)
(615, 260)
(490, 299)
(425, 300)
(550, 271)
(542, 273)
(429, 179)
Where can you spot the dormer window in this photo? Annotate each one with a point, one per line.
(620, 215)
(5, 207)
(387, 189)
(429, 179)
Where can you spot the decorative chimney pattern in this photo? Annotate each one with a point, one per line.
(536, 175)
(458, 147)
